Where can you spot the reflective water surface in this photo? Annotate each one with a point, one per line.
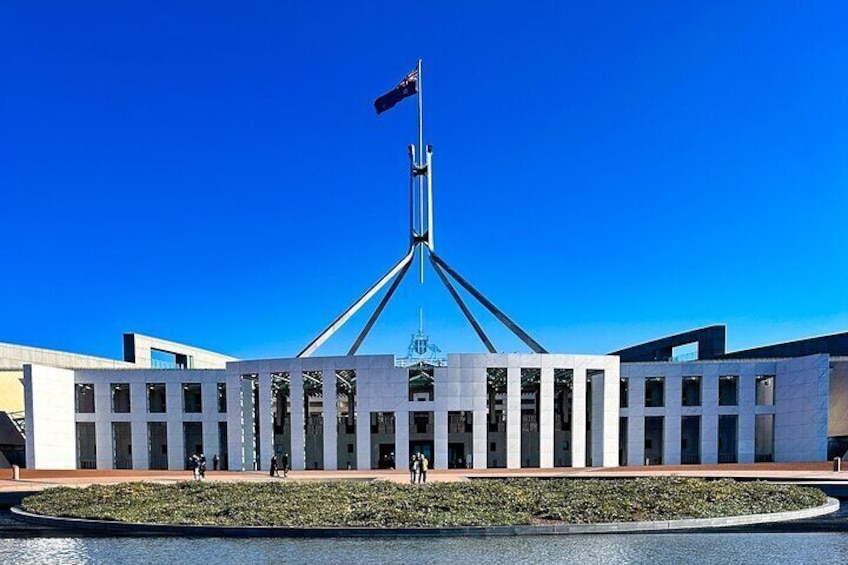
(654, 549)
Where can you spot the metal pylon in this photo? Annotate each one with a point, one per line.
(421, 240)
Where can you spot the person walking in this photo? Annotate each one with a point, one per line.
(275, 471)
(194, 465)
(285, 465)
(215, 461)
(202, 467)
(422, 473)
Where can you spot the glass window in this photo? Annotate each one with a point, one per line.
(86, 445)
(765, 390)
(624, 390)
(654, 438)
(690, 440)
(156, 398)
(764, 438)
(222, 397)
(192, 401)
(85, 398)
(654, 392)
(192, 440)
(728, 431)
(728, 390)
(691, 391)
(223, 448)
(120, 397)
(157, 445)
(122, 445)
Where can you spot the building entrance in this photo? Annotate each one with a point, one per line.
(456, 456)
(387, 456)
(425, 447)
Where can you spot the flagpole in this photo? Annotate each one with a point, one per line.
(420, 164)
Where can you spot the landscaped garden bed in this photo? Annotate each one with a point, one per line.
(389, 505)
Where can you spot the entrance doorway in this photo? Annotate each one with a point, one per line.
(425, 447)
(387, 456)
(456, 456)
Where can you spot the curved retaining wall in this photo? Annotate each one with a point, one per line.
(107, 527)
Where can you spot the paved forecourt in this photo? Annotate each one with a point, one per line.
(807, 472)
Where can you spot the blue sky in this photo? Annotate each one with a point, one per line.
(606, 173)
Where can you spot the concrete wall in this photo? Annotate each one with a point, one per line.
(837, 413)
(137, 350)
(801, 407)
(11, 390)
(51, 430)
(15, 356)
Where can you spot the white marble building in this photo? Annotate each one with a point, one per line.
(479, 410)
(731, 411)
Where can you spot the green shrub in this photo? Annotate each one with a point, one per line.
(383, 504)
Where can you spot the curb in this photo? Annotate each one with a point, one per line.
(106, 527)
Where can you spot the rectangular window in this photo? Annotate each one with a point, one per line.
(691, 391)
(192, 400)
(157, 445)
(690, 440)
(531, 380)
(222, 398)
(192, 440)
(764, 438)
(156, 398)
(765, 390)
(728, 390)
(122, 445)
(685, 352)
(496, 379)
(624, 390)
(622, 441)
(223, 448)
(313, 391)
(421, 423)
(654, 392)
(163, 359)
(86, 445)
(728, 431)
(85, 398)
(120, 397)
(654, 435)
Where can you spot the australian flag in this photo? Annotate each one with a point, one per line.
(407, 87)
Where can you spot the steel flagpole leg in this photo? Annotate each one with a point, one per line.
(421, 227)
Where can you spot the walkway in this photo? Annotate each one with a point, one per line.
(31, 480)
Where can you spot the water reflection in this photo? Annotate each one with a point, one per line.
(44, 550)
(654, 549)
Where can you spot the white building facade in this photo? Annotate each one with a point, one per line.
(733, 411)
(473, 411)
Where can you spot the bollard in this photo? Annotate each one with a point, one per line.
(837, 464)
(16, 473)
